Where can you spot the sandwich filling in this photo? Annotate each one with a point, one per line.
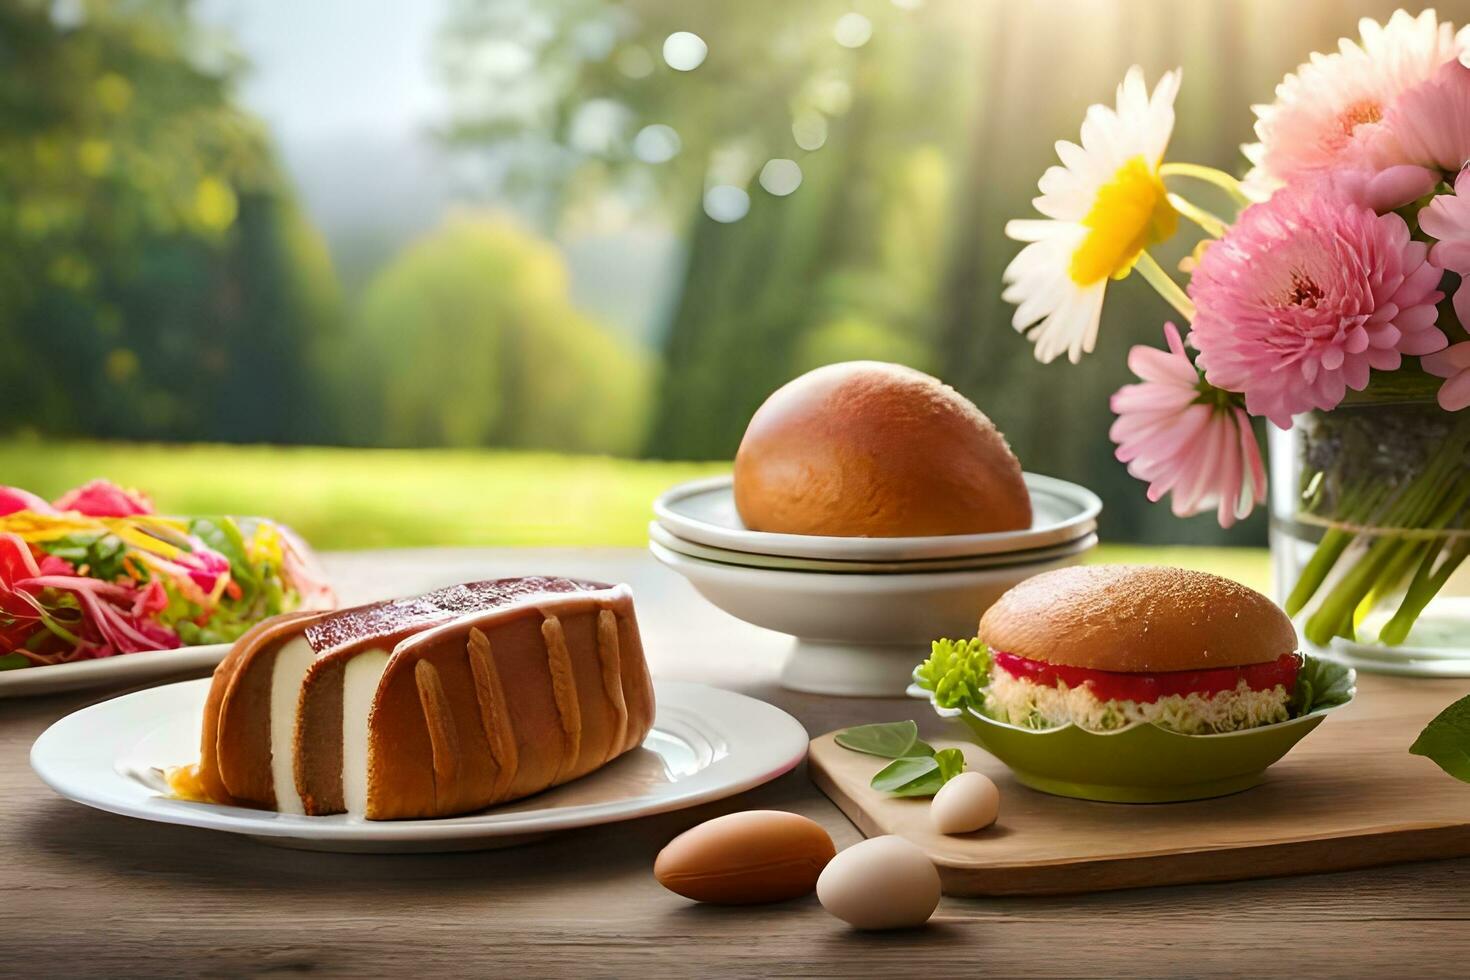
(1035, 694)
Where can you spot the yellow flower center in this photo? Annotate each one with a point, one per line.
(1131, 212)
(1355, 115)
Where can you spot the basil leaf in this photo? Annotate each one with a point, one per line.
(14, 661)
(1446, 740)
(891, 740)
(915, 776)
(951, 763)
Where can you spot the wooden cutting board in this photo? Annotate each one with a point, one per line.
(1348, 796)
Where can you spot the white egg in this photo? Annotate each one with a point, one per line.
(882, 883)
(967, 802)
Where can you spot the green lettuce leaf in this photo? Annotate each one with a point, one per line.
(1446, 740)
(1321, 684)
(956, 672)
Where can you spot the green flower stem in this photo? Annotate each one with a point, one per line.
(1212, 224)
(1424, 587)
(1358, 506)
(1156, 277)
(1209, 175)
(1430, 502)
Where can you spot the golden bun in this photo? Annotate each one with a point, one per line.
(868, 449)
(1137, 619)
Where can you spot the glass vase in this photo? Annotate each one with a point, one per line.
(1369, 535)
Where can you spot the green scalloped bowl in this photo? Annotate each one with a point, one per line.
(1141, 764)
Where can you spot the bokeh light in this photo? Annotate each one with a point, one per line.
(656, 144)
(853, 30)
(597, 126)
(726, 203)
(832, 95)
(684, 51)
(809, 129)
(780, 177)
(634, 61)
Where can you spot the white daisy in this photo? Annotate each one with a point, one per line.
(1328, 112)
(1104, 205)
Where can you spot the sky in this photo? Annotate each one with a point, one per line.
(350, 93)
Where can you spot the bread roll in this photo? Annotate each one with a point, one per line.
(1137, 619)
(867, 449)
(432, 706)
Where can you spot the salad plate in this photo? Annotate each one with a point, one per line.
(660, 535)
(706, 744)
(97, 588)
(109, 671)
(703, 511)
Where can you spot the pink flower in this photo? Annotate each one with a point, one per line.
(1306, 294)
(1185, 437)
(101, 498)
(1447, 218)
(1452, 363)
(1328, 114)
(1429, 124)
(1384, 190)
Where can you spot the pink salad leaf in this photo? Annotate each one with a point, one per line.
(13, 500)
(103, 498)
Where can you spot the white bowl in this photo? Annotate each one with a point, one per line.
(663, 536)
(703, 511)
(856, 634)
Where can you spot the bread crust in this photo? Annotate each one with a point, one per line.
(868, 449)
(241, 735)
(502, 704)
(1137, 619)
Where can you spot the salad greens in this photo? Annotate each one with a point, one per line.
(957, 673)
(1321, 684)
(99, 574)
(1446, 740)
(917, 768)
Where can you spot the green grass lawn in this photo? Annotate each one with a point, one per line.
(377, 498)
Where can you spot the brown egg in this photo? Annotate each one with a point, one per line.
(746, 858)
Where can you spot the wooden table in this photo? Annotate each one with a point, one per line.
(84, 892)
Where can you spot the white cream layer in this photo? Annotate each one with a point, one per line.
(359, 686)
(292, 662)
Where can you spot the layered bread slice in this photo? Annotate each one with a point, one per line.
(430, 706)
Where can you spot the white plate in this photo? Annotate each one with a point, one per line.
(706, 744)
(118, 670)
(856, 634)
(703, 511)
(661, 535)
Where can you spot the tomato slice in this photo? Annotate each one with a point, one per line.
(1108, 685)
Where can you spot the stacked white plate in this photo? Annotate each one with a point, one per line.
(862, 610)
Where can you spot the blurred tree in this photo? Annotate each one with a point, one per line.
(470, 338)
(561, 91)
(156, 278)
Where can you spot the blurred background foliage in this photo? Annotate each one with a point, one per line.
(603, 254)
